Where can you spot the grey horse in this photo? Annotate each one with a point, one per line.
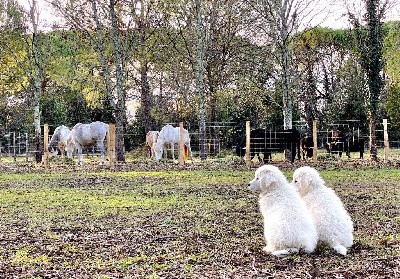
(59, 140)
(88, 135)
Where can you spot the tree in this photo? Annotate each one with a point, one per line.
(279, 20)
(147, 17)
(200, 80)
(13, 64)
(370, 42)
(120, 112)
(392, 71)
(105, 18)
(332, 86)
(37, 77)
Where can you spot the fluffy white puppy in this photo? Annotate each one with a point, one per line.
(333, 223)
(288, 226)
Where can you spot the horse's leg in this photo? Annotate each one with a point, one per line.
(100, 145)
(173, 150)
(69, 153)
(298, 150)
(164, 151)
(80, 155)
(293, 155)
(151, 149)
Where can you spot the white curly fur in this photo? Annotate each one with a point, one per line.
(333, 223)
(288, 227)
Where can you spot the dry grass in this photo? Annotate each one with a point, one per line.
(147, 220)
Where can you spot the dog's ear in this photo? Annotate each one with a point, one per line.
(267, 179)
(305, 183)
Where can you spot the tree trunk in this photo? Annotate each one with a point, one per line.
(120, 113)
(374, 66)
(372, 137)
(200, 82)
(145, 97)
(37, 87)
(144, 83)
(285, 63)
(38, 135)
(286, 89)
(101, 52)
(310, 98)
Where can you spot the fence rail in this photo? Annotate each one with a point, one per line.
(220, 136)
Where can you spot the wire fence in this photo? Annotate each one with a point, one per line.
(220, 136)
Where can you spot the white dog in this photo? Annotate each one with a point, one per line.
(333, 223)
(288, 226)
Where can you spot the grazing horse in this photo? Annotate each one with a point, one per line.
(356, 145)
(170, 135)
(88, 135)
(59, 140)
(307, 147)
(339, 143)
(151, 139)
(336, 143)
(263, 142)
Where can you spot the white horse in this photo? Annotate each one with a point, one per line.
(151, 139)
(59, 140)
(170, 135)
(88, 135)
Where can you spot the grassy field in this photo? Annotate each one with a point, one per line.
(164, 221)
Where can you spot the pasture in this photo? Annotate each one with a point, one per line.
(149, 220)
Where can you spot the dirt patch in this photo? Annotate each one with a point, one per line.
(152, 227)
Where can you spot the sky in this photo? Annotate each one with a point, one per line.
(330, 13)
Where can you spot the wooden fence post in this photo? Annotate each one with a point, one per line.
(181, 145)
(315, 149)
(247, 158)
(45, 159)
(386, 141)
(111, 144)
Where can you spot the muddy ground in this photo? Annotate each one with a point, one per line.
(147, 220)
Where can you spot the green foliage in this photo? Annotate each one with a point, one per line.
(322, 37)
(392, 70)
(392, 51)
(251, 103)
(14, 60)
(333, 86)
(349, 102)
(240, 75)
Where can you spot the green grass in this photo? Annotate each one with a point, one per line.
(178, 223)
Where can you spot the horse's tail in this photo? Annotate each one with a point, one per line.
(107, 129)
(185, 152)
